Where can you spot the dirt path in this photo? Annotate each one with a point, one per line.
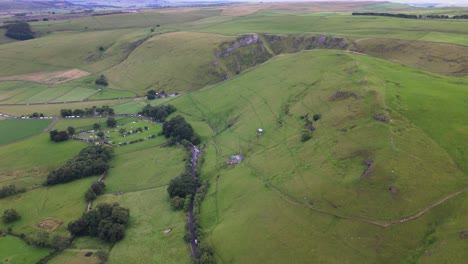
(50, 126)
(370, 221)
(193, 235)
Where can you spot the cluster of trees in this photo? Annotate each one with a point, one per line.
(106, 222)
(10, 215)
(10, 190)
(151, 95)
(36, 115)
(111, 122)
(92, 160)
(179, 130)
(409, 15)
(58, 136)
(101, 81)
(19, 31)
(96, 189)
(158, 113)
(182, 186)
(104, 110)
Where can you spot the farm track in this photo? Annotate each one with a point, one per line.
(366, 220)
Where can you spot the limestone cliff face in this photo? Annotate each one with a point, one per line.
(253, 49)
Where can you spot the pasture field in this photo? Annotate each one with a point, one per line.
(279, 171)
(14, 250)
(61, 204)
(447, 31)
(178, 61)
(60, 51)
(73, 256)
(145, 240)
(27, 163)
(13, 129)
(364, 150)
(54, 109)
(145, 169)
(132, 107)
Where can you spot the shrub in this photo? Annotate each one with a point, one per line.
(316, 117)
(306, 135)
(177, 203)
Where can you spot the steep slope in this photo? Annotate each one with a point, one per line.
(376, 157)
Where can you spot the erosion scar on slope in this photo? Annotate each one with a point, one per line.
(370, 221)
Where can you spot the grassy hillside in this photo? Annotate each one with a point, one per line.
(282, 175)
(179, 61)
(448, 31)
(13, 250)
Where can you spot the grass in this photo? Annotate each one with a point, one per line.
(145, 169)
(178, 61)
(63, 203)
(327, 169)
(145, 242)
(13, 129)
(28, 162)
(54, 109)
(75, 257)
(14, 250)
(448, 31)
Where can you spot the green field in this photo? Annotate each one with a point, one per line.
(145, 241)
(62, 203)
(327, 169)
(14, 250)
(145, 169)
(27, 163)
(383, 177)
(13, 129)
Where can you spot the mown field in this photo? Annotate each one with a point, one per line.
(12, 130)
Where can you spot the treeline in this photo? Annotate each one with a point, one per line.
(410, 15)
(96, 189)
(90, 161)
(104, 110)
(178, 130)
(107, 222)
(10, 190)
(158, 113)
(19, 31)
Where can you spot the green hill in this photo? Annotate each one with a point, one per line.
(377, 153)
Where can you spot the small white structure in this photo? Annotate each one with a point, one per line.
(260, 131)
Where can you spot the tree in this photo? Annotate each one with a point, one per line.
(71, 130)
(19, 31)
(111, 122)
(39, 239)
(10, 215)
(316, 117)
(101, 81)
(100, 134)
(96, 126)
(181, 186)
(90, 195)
